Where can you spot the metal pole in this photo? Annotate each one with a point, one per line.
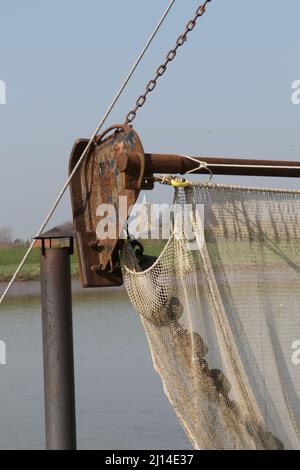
(130, 163)
(159, 163)
(58, 349)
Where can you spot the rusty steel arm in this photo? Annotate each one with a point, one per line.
(223, 166)
(172, 164)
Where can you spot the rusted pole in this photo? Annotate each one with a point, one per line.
(58, 349)
(172, 164)
(169, 163)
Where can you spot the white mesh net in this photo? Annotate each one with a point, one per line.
(222, 320)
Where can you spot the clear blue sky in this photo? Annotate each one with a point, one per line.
(228, 92)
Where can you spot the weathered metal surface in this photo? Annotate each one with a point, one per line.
(63, 233)
(99, 181)
(60, 231)
(59, 385)
(172, 164)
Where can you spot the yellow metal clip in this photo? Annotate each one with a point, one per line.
(179, 184)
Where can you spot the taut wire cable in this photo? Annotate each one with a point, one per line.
(206, 165)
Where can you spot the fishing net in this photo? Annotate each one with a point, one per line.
(221, 314)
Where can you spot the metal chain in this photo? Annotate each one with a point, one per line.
(163, 67)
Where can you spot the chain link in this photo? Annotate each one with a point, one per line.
(163, 67)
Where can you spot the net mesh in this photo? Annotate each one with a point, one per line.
(221, 314)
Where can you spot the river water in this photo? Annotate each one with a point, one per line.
(119, 398)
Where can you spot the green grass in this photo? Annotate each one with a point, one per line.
(11, 257)
(153, 247)
(275, 255)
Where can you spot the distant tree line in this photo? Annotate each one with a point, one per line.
(7, 240)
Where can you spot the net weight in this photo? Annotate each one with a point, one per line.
(174, 459)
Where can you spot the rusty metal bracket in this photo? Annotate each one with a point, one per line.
(100, 182)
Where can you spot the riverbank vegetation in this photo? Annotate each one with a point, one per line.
(11, 256)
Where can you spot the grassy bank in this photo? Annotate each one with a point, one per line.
(11, 257)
